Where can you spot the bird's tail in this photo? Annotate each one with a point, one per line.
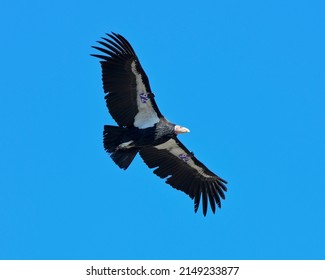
(116, 144)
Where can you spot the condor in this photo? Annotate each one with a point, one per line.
(143, 129)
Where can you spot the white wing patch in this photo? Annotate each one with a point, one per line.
(172, 147)
(147, 116)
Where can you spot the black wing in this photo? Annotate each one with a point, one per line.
(173, 160)
(128, 95)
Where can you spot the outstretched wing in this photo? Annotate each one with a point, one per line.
(128, 95)
(173, 160)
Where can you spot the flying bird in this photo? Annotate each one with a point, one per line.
(143, 129)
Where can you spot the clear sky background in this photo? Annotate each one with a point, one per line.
(247, 78)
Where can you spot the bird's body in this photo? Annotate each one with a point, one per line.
(143, 129)
(155, 135)
(123, 143)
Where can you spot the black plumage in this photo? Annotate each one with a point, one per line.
(143, 129)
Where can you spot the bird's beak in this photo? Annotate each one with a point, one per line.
(181, 129)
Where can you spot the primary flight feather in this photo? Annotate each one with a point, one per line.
(143, 129)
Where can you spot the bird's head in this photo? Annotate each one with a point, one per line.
(180, 129)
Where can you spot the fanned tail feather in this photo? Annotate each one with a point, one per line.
(113, 137)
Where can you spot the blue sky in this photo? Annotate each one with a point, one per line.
(247, 78)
